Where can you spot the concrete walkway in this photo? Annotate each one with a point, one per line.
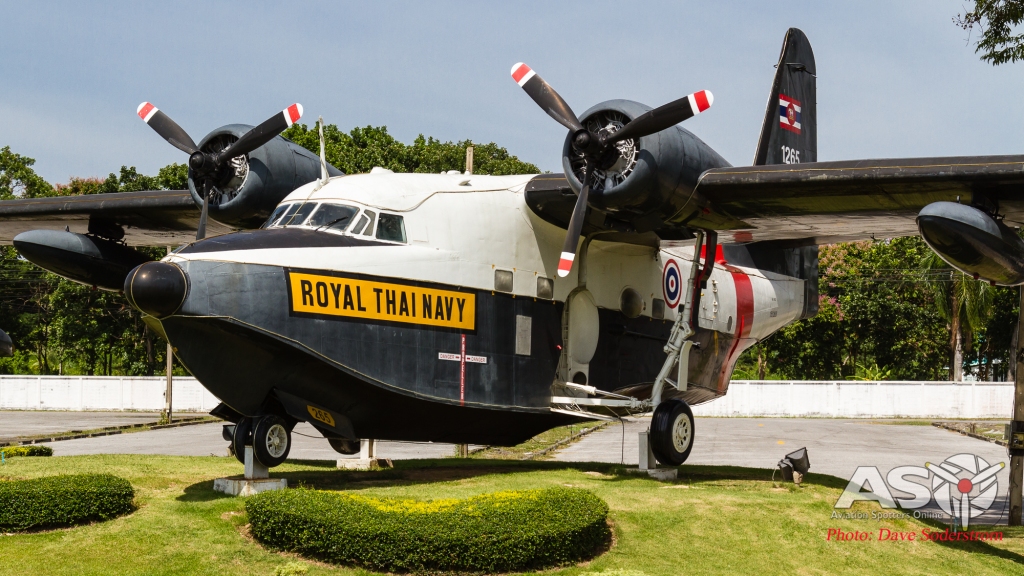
(835, 447)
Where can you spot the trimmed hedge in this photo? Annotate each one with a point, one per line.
(27, 450)
(499, 532)
(56, 501)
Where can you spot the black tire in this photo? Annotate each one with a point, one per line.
(344, 446)
(672, 432)
(271, 440)
(241, 438)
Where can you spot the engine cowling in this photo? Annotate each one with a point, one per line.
(973, 242)
(255, 183)
(652, 178)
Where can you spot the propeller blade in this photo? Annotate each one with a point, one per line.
(201, 230)
(664, 116)
(166, 128)
(572, 235)
(263, 133)
(942, 473)
(987, 473)
(545, 96)
(965, 511)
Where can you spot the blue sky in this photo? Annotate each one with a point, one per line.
(894, 79)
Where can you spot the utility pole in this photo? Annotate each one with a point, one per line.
(469, 160)
(170, 367)
(1016, 440)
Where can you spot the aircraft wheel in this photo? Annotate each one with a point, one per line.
(241, 438)
(271, 440)
(672, 432)
(344, 446)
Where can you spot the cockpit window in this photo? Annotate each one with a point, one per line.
(296, 217)
(369, 227)
(391, 227)
(332, 217)
(360, 224)
(277, 214)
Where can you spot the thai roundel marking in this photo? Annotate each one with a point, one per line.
(672, 283)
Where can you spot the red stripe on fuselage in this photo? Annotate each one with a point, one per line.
(744, 323)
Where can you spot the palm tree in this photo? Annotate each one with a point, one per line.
(964, 302)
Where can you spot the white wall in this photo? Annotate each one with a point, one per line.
(843, 399)
(857, 399)
(102, 393)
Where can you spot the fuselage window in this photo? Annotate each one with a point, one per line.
(298, 216)
(332, 217)
(391, 227)
(277, 214)
(369, 227)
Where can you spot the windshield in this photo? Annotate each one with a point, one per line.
(332, 217)
(297, 216)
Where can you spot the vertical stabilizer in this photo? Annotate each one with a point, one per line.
(790, 131)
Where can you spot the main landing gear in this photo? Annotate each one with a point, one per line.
(270, 437)
(672, 432)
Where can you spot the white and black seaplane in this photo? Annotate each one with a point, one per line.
(481, 309)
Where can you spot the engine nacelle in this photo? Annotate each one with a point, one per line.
(973, 242)
(254, 184)
(652, 179)
(87, 259)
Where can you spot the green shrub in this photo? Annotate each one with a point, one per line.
(499, 532)
(56, 501)
(27, 450)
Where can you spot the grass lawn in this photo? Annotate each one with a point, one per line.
(714, 520)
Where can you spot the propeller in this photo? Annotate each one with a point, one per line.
(208, 168)
(598, 148)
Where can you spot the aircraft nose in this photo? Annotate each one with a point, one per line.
(156, 288)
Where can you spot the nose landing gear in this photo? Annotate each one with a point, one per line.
(270, 437)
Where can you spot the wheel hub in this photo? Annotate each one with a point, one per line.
(682, 434)
(277, 440)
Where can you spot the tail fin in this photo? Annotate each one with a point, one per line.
(790, 131)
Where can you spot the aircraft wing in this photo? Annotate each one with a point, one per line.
(827, 202)
(148, 218)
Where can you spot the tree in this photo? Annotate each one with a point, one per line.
(362, 149)
(962, 301)
(18, 179)
(997, 20)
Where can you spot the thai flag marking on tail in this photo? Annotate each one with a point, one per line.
(522, 73)
(789, 113)
(292, 113)
(146, 111)
(565, 263)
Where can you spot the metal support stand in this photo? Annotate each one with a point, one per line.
(678, 346)
(367, 449)
(1016, 457)
(257, 479)
(647, 459)
(253, 469)
(170, 378)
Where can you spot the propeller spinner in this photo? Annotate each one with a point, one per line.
(598, 148)
(209, 167)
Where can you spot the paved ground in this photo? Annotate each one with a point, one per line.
(32, 423)
(206, 440)
(835, 447)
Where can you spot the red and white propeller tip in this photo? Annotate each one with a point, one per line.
(292, 113)
(565, 264)
(701, 101)
(522, 73)
(146, 111)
